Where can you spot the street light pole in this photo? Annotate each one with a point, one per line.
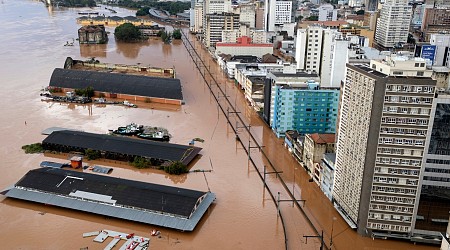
(331, 237)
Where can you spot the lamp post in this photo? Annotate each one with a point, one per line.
(331, 237)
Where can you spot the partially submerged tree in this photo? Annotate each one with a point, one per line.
(127, 32)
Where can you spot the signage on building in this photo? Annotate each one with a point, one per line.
(429, 52)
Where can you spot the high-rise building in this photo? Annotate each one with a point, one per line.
(294, 101)
(442, 42)
(393, 24)
(384, 117)
(247, 14)
(214, 6)
(322, 51)
(371, 5)
(277, 12)
(434, 203)
(216, 23)
(435, 20)
(327, 12)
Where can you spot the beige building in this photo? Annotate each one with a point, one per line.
(393, 23)
(216, 23)
(231, 36)
(383, 126)
(198, 18)
(315, 145)
(247, 14)
(402, 65)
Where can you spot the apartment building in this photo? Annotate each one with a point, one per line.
(383, 126)
(216, 23)
(295, 102)
(434, 203)
(315, 146)
(393, 23)
(277, 12)
(322, 51)
(327, 13)
(247, 14)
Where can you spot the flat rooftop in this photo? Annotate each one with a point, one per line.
(168, 88)
(123, 145)
(149, 203)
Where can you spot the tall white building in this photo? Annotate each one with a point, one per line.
(198, 18)
(384, 117)
(327, 13)
(214, 6)
(277, 13)
(442, 42)
(324, 52)
(393, 23)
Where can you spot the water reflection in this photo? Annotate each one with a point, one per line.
(93, 50)
(130, 50)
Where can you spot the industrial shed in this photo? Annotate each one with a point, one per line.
(149, 203)
(118, 147)
(118, 85)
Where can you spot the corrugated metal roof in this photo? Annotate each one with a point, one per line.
(168, 88)
(117, 210)
(123, 145)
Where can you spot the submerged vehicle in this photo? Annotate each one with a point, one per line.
(131, 129)
(155, 136)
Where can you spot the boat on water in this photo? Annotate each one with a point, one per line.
(131, 129)
(155, 136)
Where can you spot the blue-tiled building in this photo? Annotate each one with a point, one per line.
(298, 103)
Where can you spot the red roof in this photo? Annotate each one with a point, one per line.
(323, 138)
(244, 42)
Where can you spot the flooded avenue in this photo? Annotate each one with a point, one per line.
(243, 217)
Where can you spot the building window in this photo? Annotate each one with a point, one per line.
(419, 73)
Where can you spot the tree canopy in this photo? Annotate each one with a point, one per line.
(176, 34)
(127, 32)
(77, 3)
(172, 7)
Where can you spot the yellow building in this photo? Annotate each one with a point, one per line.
(112, 20)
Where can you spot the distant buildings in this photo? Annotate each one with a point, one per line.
(216, 23)
(442, 53)
(322, 51)
(92, 34)
(393, 24)
(435, 20)
(385, 112)
(327, 12)
(277, 12)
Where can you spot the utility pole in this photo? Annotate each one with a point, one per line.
(315, 236)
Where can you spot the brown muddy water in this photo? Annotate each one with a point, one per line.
(32, 39)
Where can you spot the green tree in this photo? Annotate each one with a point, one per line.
(360, 12)
(140, 162)
(127, 32)
(142, 11)
(92, 154)
(33, 148)
(176, 168)
(176, 34)
(312, 18)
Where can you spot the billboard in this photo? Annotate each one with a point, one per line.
(429, 52)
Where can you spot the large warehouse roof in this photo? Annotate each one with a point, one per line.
(132, 200)
(168, 88)
(123, 145)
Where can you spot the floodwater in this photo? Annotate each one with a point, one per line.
(32, 39)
